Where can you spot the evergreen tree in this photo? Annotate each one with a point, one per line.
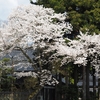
(83, 14)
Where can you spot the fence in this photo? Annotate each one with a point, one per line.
(20, 95)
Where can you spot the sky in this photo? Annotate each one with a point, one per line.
(6, 7)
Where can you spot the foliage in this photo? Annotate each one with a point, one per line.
(83, 15)
(6, 78)
(30, 82)
(5, 59)
(58, 6)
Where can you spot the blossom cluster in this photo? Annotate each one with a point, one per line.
(32, 26)
(45, 76)
(82, 51)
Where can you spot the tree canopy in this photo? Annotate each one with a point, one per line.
(31, 27)
(85, 49)
(83, 15)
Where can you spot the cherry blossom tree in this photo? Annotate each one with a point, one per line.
(32, 27)
(85, 48)
(85, 51)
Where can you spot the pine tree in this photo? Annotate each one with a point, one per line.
(83, 14)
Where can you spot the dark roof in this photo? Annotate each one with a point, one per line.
(21, 63)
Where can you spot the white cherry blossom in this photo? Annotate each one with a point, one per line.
(32, 26)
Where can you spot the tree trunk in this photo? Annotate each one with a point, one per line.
(99, 87)
(67, 79)
(56, 93)
(84, 83)
(87, 81)
(94, 85)
(60, 83)
(75, 75)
